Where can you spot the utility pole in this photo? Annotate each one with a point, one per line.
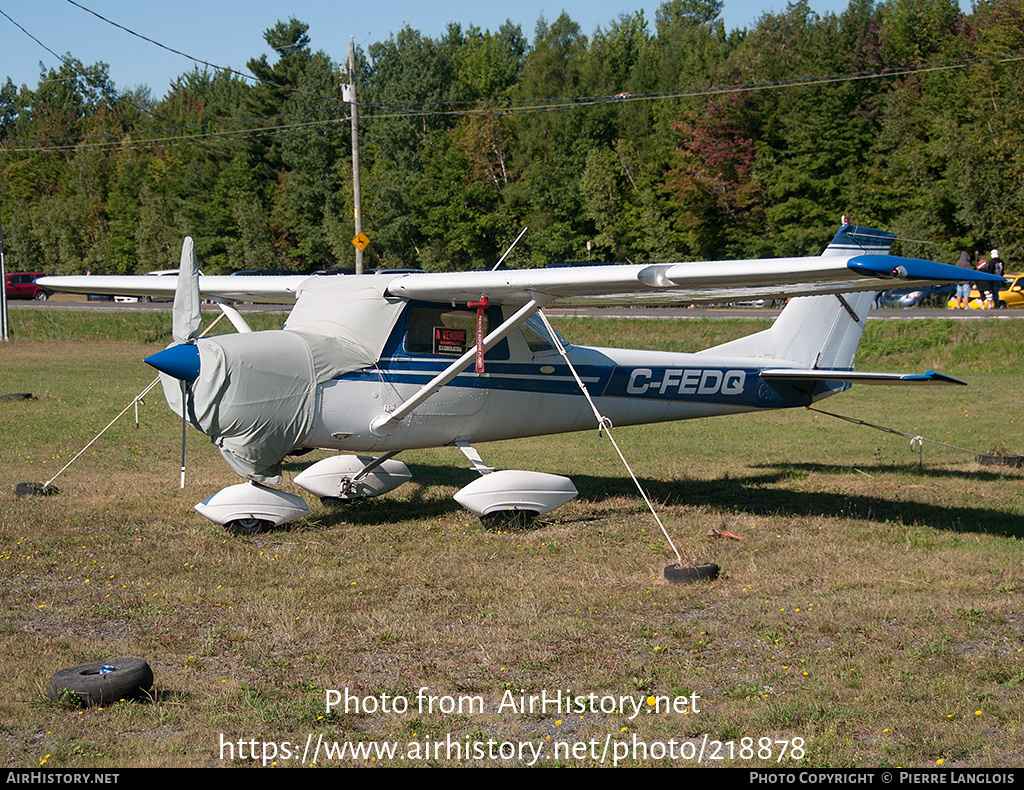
(360, 241)
(3, 297)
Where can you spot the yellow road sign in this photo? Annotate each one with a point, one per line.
(362, 241)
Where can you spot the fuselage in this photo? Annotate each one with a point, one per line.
(527, 389)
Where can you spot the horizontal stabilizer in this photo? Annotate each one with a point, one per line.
(857, 377)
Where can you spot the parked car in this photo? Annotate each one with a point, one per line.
(923, 296)
(1013, 295)
(757, 303)
(22, 285)
(1010, 296)
(265, 273)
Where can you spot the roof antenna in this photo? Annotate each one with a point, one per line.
(503, 257)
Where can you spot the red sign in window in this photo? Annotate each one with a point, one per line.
(449, 341)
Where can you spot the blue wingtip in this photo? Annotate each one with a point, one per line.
(893, 267)
(931, 375)
(180, 361)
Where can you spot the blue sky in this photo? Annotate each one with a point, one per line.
(229, 32)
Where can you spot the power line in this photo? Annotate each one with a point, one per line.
(78, 72)
(200, 61)
(389, 111)
(40, 43)
(476, 107)
(545, 105)
(168, 129)
(178, 139)
(570, 103)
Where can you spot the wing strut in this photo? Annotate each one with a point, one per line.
(386, 423)
(235, 317)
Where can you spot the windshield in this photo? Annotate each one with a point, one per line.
(537, 336)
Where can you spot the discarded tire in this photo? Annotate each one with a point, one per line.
(674, 574)
(40, 489)
(1015, 461)
(102, 682)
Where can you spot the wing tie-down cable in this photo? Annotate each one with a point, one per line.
(604, 424)
(916, 441)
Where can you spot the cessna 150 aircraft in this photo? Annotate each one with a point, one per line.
(375, 364)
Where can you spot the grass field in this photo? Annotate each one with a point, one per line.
(871, 615)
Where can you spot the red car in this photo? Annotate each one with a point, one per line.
(22, 285)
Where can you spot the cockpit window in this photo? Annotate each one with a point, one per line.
(437, 330)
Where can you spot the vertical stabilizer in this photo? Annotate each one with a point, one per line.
(818, 332)
(857, 240)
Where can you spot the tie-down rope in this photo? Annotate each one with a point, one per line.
(916, 441)
(604, 424)
(135, 402)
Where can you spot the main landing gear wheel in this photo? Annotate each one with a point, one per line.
(510, 519)
(677, 575)
(247, 526)
(102, 682)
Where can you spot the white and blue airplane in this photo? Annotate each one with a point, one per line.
(371, 365)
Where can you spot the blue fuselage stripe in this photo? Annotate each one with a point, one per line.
(730, 386)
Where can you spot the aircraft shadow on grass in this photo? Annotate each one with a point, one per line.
(761, 494)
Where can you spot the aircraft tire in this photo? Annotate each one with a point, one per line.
(509, 519)
(247, 526)
(127, 678)
(38, 489)
(674, 574)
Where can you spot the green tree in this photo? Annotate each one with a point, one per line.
(714, 192)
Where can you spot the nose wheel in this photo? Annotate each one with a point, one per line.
(247, 526)
(248, 508)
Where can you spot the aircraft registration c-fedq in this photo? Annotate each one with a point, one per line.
(372, 365)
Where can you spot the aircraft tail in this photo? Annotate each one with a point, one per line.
(818, 332)
(858, 240)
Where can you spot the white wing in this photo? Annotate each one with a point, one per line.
(711, 281)
(855, 260)
(260, 289)
(687, 282)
